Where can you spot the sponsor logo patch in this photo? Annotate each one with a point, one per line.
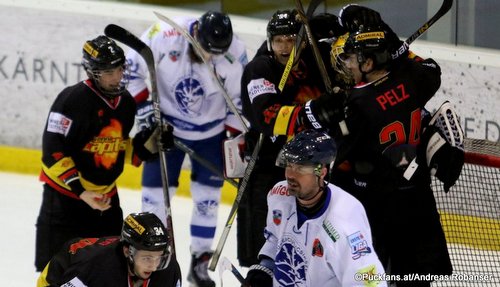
(259, 87)
(331, 231)
(58, 123)
(358, 244)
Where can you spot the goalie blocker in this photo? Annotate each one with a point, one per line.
(443, 143)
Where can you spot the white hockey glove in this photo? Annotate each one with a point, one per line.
(234, 157)
(144, 117)
(444, 145)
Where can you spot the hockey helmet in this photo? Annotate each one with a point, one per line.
(368, 43)
(101, 54)
(283, 22)
(309, 147)
(215, 32)
(145, 231)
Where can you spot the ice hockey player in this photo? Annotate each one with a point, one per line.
(140, 257)
(84, 148)
(383, 114)
(193, 103)
(273, 112)
(316, 234)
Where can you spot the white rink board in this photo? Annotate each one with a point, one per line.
(41, 45)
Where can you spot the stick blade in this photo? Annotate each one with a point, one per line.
(124, 36)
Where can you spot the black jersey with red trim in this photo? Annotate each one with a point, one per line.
(269, 110)
(97, 262)
(86, 140)
(384, 118)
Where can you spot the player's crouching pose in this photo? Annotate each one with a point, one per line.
(316, 233)
(141, 257)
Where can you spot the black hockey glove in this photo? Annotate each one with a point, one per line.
(144, 117)
(353, 16)
(324, 112)
(145, 141)
(326, 25)
(258, 276)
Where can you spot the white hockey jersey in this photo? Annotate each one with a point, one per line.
(190, 99)
(333, 249)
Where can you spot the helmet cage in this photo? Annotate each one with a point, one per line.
(338, 57)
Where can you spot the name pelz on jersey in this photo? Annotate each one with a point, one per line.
(102, 145)
(280, 190)
(393, 97)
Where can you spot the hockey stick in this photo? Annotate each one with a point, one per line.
(224, 265)
(205, 163)
(236, 203)
(198, 50)
(120, 34)
(319, 60)
(445, 7)
(299, 46)
(314, 46)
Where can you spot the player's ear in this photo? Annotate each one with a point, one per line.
(368, 65)
(126, 251)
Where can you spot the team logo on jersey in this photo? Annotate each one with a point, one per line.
(107, 145)
(190, 97)
(290, 263)
(277, 215)
(174, 55)
(359, 245)
(317, 248)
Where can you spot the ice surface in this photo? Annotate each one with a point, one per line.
(20, 199)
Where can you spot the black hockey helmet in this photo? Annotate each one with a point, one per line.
(215, 32)
(369, 43)
(309, 147)
(283, 22)
(101, 54)
(145, 231)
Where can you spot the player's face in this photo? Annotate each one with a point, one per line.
(282, 47)
(110, 80)
(146, 262)
(350, 62)
(302, 180)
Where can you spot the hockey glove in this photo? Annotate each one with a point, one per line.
(353, 16)
(259, 276)
(326, 25)
(324, 112)
(145, 141)
(144, 117)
